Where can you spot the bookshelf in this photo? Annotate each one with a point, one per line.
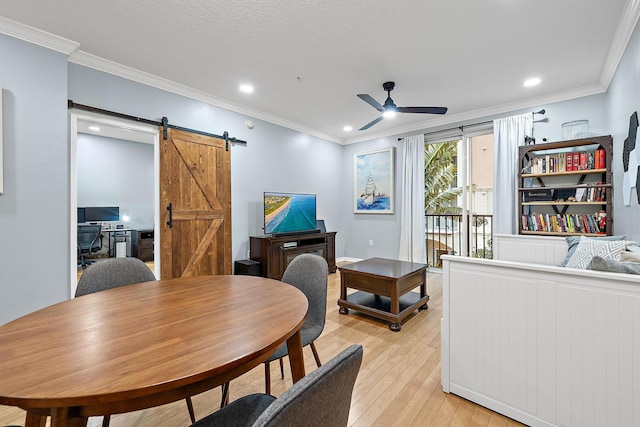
(566, 188)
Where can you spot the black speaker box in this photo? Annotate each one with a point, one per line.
(247, 267)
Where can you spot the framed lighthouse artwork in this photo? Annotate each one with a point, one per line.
(374, 181)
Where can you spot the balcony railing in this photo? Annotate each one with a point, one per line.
(444, 236)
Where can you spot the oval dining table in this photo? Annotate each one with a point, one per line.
(145, 345)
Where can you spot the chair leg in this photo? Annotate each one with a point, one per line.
(267, 378)
(315, 354)
(224, 401)
(105, 420)
(281, 368)
(192, 414)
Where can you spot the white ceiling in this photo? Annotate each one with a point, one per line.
(308, 59)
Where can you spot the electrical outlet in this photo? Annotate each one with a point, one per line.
(248, 254)
(370, 242)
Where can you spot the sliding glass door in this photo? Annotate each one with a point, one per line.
(459, 193)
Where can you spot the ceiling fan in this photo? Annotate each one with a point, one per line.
(390, 108)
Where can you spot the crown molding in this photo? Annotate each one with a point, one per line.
(88, 60)
(36, 36)
(481, 114)
(625, 28)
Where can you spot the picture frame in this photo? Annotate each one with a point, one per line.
(374, 183)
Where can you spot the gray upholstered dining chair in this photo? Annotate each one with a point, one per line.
(114, 273)
(322, 399)
(308, 273)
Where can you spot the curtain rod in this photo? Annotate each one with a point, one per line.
(164, 123)
(479, 124)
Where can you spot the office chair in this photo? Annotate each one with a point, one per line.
(88, 242)
(321, 399)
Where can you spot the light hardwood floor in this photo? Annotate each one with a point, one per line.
(398, 383)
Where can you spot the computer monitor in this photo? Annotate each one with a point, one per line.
(98, 214)
(81, 218)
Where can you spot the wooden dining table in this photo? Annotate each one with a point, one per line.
(144, 345)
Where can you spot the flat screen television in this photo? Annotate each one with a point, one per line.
(289, 213)
(98, 214)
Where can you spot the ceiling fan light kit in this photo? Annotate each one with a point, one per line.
(389, 109)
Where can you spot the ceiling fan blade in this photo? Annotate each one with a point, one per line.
(368, 125)
(424, 110)
(369, 100)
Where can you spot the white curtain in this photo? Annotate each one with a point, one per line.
(413, 247)
(508, 135)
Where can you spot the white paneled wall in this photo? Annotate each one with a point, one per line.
(547, 250)
(543, 345)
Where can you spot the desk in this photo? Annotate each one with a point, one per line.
(110, 235)
(144, 345)
(384, 287)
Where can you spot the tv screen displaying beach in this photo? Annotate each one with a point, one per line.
(289, 213)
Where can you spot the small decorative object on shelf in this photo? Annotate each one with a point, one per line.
(566, 187)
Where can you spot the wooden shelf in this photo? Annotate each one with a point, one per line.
(562, 187)
(557, 233)
(551, 214)
(553, 203)
(580, 172)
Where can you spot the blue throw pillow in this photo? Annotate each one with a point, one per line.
(573, 241)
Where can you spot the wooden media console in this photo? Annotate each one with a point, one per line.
(276, 252)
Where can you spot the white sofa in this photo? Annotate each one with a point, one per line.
(545, 345)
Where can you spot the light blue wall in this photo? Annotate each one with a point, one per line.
(274, 159)
(115, 172)
(359, 229)
(384, 230)
(34, 211)
(623, 98)
(34, 230)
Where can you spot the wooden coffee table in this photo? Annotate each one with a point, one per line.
(384, 289)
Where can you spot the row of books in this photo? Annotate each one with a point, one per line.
(568, 223)
(591, 194)
(568, 162)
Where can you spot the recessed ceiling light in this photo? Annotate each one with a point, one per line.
(347, 128)
(94, 128)
(532, 82)
(246, 88)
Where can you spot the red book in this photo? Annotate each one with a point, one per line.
(576, 161)
(569, 162)
(603, 165)
(583, 161)
(597, 160)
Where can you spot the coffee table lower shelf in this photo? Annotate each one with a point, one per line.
(380, 306)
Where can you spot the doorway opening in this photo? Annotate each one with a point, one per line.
(105, 129)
